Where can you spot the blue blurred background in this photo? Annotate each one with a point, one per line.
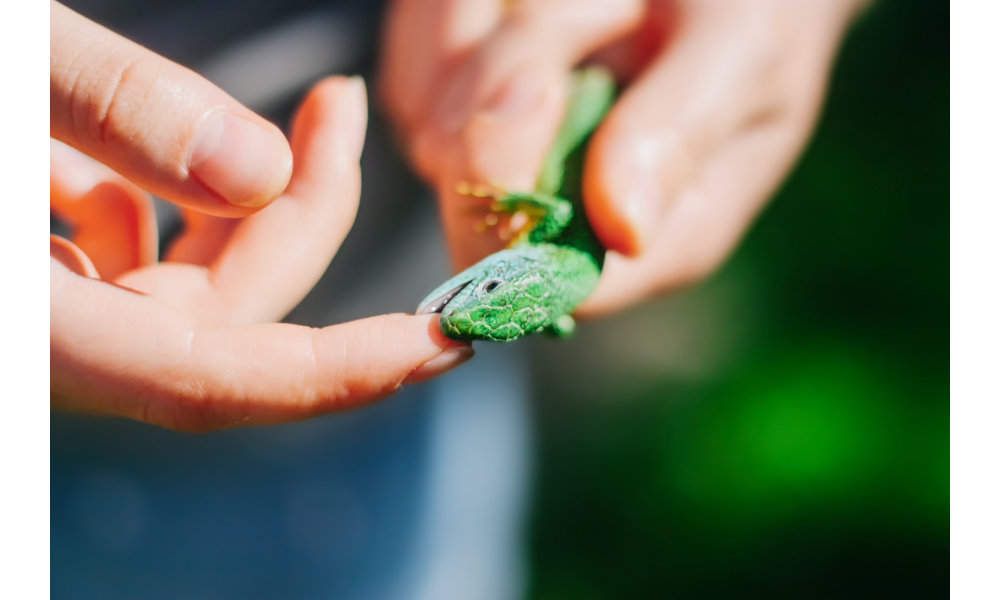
(779, 431)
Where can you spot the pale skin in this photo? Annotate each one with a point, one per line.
(191, 343)
(720, 97)
(719, 100)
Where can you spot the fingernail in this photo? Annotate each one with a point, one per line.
(440, 364)
(645, 163)
(643, 204)
(241, 161)
(358, 117)
(516, 97)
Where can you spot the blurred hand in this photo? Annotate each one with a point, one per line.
(721, 96)
(190, 343)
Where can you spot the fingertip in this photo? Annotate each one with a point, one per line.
(616, 205)
(453, 353)
(328, 136)
(341, 101)
(71, 257)
(437, 336)
(356, 93)
(247, 163)
(366, 360)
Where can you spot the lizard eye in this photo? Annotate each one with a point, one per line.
(492, 285)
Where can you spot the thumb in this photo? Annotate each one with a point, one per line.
(499, 114)
(503, 106)
(160, 125)
(719, 77)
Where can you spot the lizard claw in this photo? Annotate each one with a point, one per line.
(480, 190)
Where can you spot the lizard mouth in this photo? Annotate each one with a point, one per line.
(437, 305)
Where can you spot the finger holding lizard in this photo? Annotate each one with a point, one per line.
(715, 92)
(699, 142)
(498, 110)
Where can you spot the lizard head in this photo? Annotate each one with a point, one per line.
(501, 298)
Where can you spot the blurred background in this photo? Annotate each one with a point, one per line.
(782, 430)
(779, 431)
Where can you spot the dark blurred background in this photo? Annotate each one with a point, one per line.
(780, 431)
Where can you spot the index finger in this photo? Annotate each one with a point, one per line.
(123, 353)
(162, 126)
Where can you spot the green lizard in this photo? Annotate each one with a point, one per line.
(536, 283)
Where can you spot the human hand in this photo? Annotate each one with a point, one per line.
(190, 343)
(720, 99)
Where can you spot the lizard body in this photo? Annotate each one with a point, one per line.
(535, 284)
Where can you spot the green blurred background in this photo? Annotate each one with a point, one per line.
(782, 430)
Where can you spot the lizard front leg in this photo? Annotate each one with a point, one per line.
(562, 327)
(546, 215)
(535, 216)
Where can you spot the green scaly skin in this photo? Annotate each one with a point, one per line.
(536, 284)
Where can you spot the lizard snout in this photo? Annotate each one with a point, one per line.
(437, 305)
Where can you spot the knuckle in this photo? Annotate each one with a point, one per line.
(195, 402)
(197, 414)
(108, 96)
(116, 115)
(188, 409)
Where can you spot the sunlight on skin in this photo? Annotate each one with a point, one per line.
(719, 100)
(191, 344)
